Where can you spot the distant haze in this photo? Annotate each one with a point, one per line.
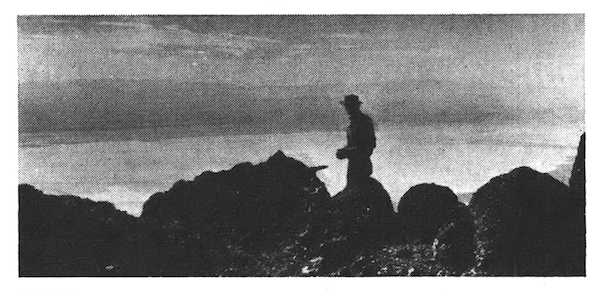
(285, 73)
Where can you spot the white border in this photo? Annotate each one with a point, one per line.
(12, 285)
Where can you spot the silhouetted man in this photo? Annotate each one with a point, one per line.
(361, 141)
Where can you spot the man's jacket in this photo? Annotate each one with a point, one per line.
(361, 134)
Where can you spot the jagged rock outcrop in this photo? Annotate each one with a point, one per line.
(520, 224)
(70, 236)
(249, 208)
(577, 180)
(575, 218)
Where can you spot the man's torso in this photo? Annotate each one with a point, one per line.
(361, 133)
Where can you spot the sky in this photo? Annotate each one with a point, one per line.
(156, 77)
(435, 63)
(299, 50)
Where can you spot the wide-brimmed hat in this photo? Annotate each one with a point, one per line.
(351, 100)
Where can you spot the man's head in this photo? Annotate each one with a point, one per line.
(351, 103)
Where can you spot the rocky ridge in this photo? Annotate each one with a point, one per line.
(277, 219)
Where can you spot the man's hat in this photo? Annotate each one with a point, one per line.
(351, 100)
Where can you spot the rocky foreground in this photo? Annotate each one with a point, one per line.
(277, 219)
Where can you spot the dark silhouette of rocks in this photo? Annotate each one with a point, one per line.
(454, 245)
(220, 223)
(277, 219)
(70, 236)
(577, 180)
(248, 209)
(364, 212)
(432, 214)
(359, 217)
(424, 209)
(520, 220)
(575, 219)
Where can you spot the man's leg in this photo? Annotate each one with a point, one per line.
(359, 168)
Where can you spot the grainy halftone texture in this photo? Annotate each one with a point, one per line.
(118, 108)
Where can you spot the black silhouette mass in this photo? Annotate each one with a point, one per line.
(276, 218)
(360, 135)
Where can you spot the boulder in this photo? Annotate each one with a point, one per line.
(364, 212)
(359, 218)
(519, 219)
(424, 209)
(431, 214)
(454, 245)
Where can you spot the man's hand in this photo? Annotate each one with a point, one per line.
(341, 153)
(344, 152)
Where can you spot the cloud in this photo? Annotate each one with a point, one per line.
(174, 41)
(135, 25)
(145, 36)
(296, 50)
(348, 36)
